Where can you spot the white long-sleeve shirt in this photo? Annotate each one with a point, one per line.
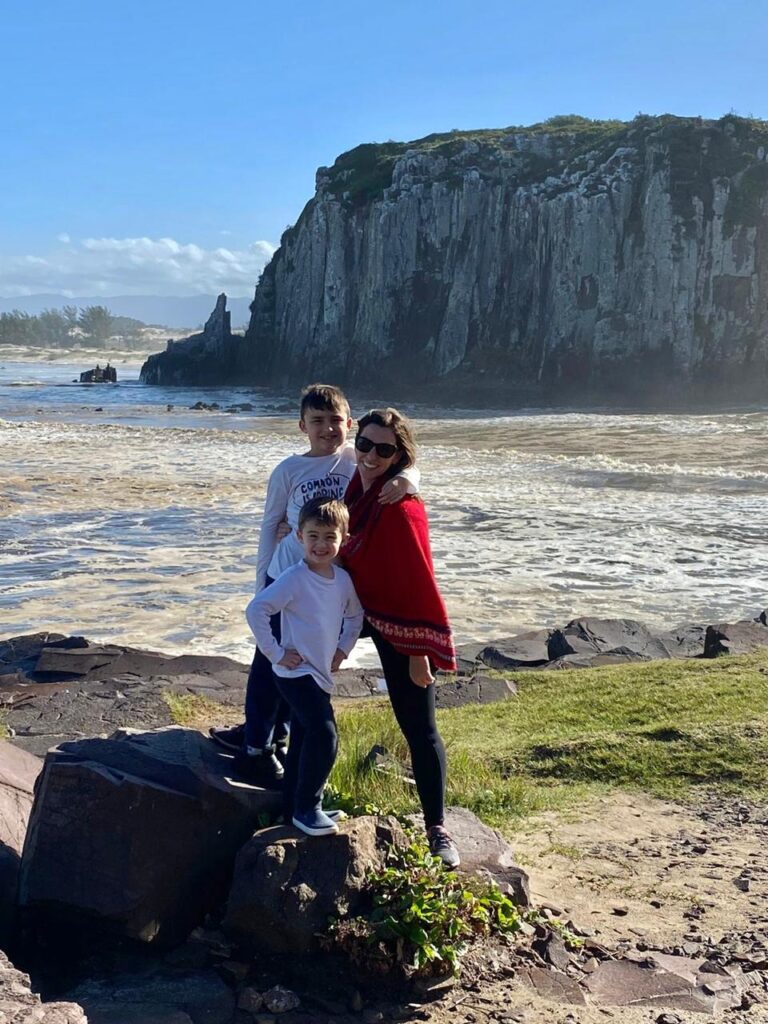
(293, 482)
(318, 614)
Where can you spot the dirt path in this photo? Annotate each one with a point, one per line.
(643, 878)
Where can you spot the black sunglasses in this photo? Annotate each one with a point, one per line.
(383, 450)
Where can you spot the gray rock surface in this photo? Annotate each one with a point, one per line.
(134, 835)
(19, 1005)
(735, 638)
(158, 996)
(286, 885)
(528, 650)
(565, 256)
(626, 639)
(485, 851)
(477, 689)
(18, 773)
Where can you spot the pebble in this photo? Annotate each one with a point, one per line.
(250, 1000)
(620, 911)
(280, 1000)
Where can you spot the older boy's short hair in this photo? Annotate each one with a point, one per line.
(324, 397)
(327, 512)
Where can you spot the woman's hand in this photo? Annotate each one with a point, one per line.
(291, 659)
(394, 490)
(338, 657)
(283, 529)
(419, 670)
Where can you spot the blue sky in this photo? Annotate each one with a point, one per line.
(163, 147)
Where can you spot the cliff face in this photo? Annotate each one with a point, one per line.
(574, 253)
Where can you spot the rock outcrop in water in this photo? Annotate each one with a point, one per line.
(576, 254)
(190, 360)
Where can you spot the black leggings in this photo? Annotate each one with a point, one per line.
(414, 708)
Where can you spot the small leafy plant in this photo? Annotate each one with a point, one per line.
(423, 917)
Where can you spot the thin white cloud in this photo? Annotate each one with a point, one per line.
(134, 266)
(63, 237)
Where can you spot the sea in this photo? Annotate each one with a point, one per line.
(127, 516)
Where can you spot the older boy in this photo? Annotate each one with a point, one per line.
(321, 619)
(324, 470)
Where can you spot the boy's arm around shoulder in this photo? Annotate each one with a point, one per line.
(406, 482)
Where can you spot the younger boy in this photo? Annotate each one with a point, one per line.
(321, 619)
(324, 470)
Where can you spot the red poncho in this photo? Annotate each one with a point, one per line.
(390, 561)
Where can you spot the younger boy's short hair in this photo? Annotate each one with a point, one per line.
(327, 512)
(325, 397)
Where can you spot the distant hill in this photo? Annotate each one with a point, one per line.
(167, 310)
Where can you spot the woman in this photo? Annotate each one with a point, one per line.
(390, 561)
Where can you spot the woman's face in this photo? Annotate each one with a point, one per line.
(371, 464)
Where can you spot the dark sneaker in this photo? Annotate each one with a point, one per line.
(441, 845)
(230, 739)
(261, 769)
(315, 823)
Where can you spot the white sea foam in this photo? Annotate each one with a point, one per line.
(141, 525)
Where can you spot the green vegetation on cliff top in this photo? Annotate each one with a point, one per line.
(362, 173)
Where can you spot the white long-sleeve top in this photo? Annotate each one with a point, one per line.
(293, 482)
(317, 615)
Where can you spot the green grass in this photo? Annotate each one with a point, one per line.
(196, 712)
(664, 728)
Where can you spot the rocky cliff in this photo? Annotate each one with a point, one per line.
(574, 255)
(199, 358)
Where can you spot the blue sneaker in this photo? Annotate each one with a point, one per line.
(315, 823)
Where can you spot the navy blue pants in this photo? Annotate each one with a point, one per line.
(267, 716)
(313, 746)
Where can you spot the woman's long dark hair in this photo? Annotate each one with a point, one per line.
(401, 427)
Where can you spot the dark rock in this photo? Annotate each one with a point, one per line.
(735, 638)
(280, 1000)
(192, 360)
(552, 949)
(286, 885)
(686, 641)
(458, 691)
(529, 650)
(134, 836)
(18, 773)
(19, 1005)
(66, 688)
(553, 985)
(484, 851)
(622, 983)
(162, 996)
(626, 638)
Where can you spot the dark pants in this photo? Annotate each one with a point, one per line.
(267, 716)
(314, 743)
(414, 708)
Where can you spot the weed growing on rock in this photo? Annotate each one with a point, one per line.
(423, 917)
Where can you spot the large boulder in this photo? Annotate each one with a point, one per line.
(485, 852)
(528, 650)
(18, 772)
(287, 886)
(626, 639)
(134, 836)
(19, 1005)
(735, 637)
(457, 691)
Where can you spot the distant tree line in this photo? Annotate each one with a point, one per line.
(67, 327)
